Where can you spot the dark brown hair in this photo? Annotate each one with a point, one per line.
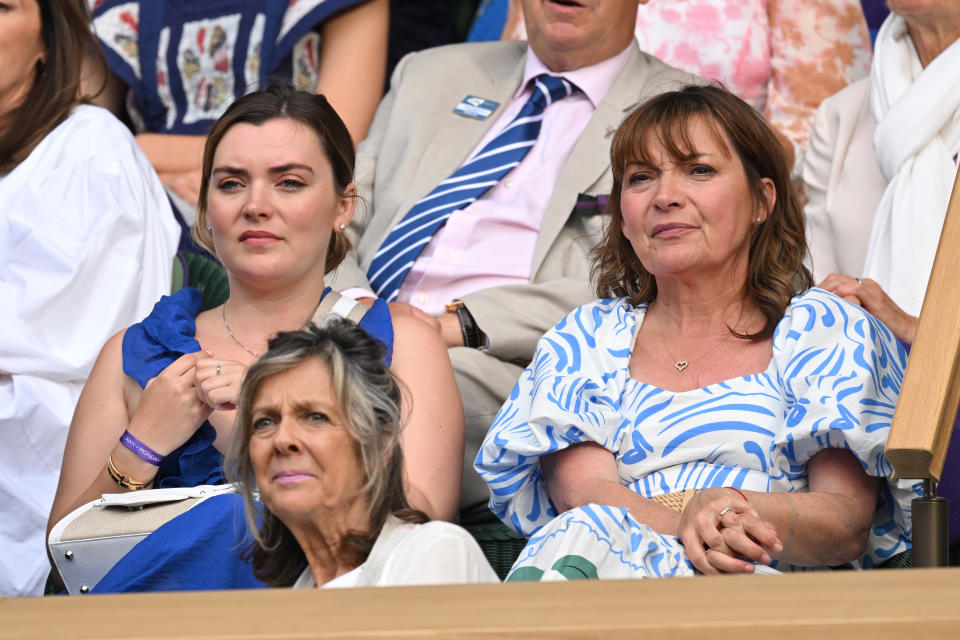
(282, 100)
(67, 40)
(775, 271)
(370, 399)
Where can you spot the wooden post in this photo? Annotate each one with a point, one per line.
(923, 421)
(927, 408)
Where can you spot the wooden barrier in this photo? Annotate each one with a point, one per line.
(919, 603)
(923, 421)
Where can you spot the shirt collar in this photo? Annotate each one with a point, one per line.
(594, 81)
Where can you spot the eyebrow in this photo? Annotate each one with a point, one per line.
(283, 168)
(684, 158)
(300, 406)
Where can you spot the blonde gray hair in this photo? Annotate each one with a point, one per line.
(370, 405)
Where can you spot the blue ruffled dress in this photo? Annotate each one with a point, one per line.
(200, 549)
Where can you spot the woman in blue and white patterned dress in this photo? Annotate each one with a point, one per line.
(701, 374)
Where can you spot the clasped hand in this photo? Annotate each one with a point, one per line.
(177, 401)
(723, 533)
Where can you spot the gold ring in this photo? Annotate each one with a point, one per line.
(723, 512)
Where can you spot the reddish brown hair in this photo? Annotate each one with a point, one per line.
(775, 271)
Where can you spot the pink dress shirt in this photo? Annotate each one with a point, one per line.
(491, 242)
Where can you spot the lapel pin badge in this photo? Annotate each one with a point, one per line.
(475, 107)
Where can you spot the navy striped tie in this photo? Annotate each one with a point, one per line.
(407, 240)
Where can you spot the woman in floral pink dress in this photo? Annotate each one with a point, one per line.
(783, 57)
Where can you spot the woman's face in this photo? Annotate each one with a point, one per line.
(272, 202)
(21, 47)
(690, 217)
(305, 461)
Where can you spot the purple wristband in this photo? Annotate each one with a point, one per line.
(142, 450)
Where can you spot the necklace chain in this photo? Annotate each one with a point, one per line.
(683, 364)
(226, 325)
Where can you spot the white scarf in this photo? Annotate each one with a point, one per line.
(918, 134)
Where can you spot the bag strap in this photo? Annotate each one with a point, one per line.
(336, 305)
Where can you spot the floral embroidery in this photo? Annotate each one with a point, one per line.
(205, 59)
(306, 62)
(119, 29)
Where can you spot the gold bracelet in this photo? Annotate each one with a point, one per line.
(125, 481)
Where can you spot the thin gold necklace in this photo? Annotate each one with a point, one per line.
(683, 364)
(680, 365)
(226, 325)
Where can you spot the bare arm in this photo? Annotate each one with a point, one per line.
(353, 63)
(587, 473)
(830, 524)
(98, 422)
(826, 526)
(433, 435)
(167, 414)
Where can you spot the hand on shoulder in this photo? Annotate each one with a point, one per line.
(868, 294)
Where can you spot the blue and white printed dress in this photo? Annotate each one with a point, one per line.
(833, 382)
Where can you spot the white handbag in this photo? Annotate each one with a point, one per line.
(88, 541)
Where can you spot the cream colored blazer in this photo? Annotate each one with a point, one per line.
(416, 141)
(843, 181)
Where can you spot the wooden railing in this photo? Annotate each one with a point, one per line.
(896, 603)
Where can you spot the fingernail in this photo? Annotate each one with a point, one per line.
(777, 548)
(764, 559)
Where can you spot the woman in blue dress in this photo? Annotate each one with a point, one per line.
(176, 65)
(712, 413)
(158, 408)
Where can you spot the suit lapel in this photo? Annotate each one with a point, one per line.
(456, 136)
(590, 158)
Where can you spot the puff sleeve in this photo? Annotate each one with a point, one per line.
(569, 394)
(841, 371)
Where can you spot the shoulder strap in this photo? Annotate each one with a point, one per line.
(334, 304)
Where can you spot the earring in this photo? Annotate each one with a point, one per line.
(758, 219)
(342, 227)
(209, 229)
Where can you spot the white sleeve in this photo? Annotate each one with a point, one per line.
(86, 247)
(437, 553)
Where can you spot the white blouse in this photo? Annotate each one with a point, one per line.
(415, 554)
(87, 240)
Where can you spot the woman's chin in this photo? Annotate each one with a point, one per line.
(672, 266)
(260, 271)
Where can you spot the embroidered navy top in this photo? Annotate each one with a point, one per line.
(186, 61)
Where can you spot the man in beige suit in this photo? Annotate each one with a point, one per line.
(489, 285)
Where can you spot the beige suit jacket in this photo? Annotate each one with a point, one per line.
(417, 140)
(843, 181)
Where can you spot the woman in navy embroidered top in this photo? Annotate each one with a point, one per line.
(159, 406)
(175, 66)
